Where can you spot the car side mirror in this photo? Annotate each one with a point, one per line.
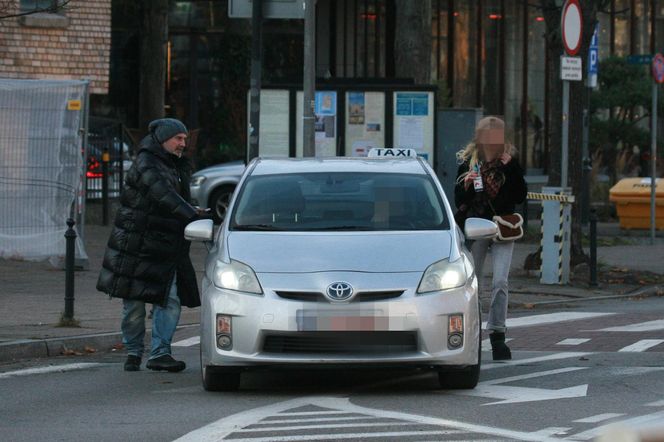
(201, 230)
(479, 228)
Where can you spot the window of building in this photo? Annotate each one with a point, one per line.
(39, 5)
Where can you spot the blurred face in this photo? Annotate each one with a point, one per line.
(176, 144)
(491, 143)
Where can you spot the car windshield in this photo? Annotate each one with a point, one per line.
(339, 201)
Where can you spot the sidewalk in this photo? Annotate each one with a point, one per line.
(32, 295)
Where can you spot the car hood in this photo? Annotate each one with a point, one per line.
(297, 252)
(234, 168)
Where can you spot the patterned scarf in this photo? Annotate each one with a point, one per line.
(492, 177)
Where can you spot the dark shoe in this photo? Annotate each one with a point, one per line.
(166, 363)
(500, 350)
(133, 363)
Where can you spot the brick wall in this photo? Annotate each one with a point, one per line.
(75, 45)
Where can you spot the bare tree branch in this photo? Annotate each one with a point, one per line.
(8, 5)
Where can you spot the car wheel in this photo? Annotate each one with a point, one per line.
(218, 379)
(219, 202)
(462, 379)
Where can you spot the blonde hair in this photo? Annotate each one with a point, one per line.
(471, 154)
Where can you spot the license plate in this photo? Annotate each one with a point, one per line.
(317, 322)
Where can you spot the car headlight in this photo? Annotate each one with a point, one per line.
(236, 276)
(197, 180)
(444, 275)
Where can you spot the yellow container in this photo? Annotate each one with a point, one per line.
(632, 198)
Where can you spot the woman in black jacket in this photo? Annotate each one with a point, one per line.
(147, 258)
(490, 182)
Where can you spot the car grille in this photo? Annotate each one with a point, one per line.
(361, 343)
(360, 297)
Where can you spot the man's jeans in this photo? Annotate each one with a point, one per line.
(164, 321)
(501, 254)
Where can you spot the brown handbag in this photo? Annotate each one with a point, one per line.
(510, 227)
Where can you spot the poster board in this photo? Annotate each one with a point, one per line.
(365, 122)
(274, 123)
(325, 125)
(414, 122)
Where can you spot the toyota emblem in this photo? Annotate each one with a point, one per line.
(339, 291)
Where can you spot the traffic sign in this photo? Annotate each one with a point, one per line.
(658, 68)
(572, 27)
(639, 59)
(271, 8)
(593, 58)
(571, 68)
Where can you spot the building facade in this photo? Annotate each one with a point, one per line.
(488, 54)
(73, 43)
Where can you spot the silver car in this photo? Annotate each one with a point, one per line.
(213, 187)
(338, 262)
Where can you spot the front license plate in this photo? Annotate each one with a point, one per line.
(312, 322)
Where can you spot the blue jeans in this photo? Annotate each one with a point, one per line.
(164, 321)
(502, 257)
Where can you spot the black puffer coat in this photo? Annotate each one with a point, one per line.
(147, 246)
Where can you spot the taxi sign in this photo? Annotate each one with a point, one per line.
(392, 153)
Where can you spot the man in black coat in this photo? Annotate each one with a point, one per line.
(147, 258)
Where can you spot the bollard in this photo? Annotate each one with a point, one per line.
(105, 159)
(70, 236)
(593, 248)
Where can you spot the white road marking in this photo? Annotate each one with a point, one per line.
(549, 318)
(308, 427)
(573, 341)
(638, 327)
(598, 418)
(551, 357)
(640, 422)
(311, 413)
(656, 404)
(194, 340)
(336, 436)
(315, 419)
(50, 369)
(226, 426)
(642, 345)
(553, 431)
(514, 395)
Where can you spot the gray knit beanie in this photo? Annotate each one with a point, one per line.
(166, 128)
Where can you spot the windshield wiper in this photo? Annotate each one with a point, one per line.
(250, 227)
(341, 228)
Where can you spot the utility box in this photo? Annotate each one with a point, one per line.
(632, 199)
(556, 235)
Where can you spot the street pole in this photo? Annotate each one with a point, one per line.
(565, 136)
(309, 83)
(70, 254)
(256, 74)
(653, 161)
(586, 169)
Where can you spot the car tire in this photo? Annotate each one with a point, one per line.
(219, 201)
(218, 379)
(462, 379)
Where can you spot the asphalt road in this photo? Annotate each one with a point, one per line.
(576, 372)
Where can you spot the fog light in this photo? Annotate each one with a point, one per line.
(224, 342)
(455, 340)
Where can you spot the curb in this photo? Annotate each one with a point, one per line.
(644, 292)
(14, 351)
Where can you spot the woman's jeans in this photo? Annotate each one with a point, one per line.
(164, 321)
(501, 253)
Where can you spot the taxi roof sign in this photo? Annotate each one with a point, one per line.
(377, 152)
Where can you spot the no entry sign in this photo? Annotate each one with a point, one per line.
(572, 26)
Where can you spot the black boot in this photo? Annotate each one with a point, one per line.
(165, 363)
(500, 350)
(133, 363)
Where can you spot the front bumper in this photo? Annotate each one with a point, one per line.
(409, 330)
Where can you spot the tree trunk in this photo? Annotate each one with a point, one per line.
(412, 40)
(153, 41)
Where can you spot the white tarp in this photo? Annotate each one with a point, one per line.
(41, 164)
